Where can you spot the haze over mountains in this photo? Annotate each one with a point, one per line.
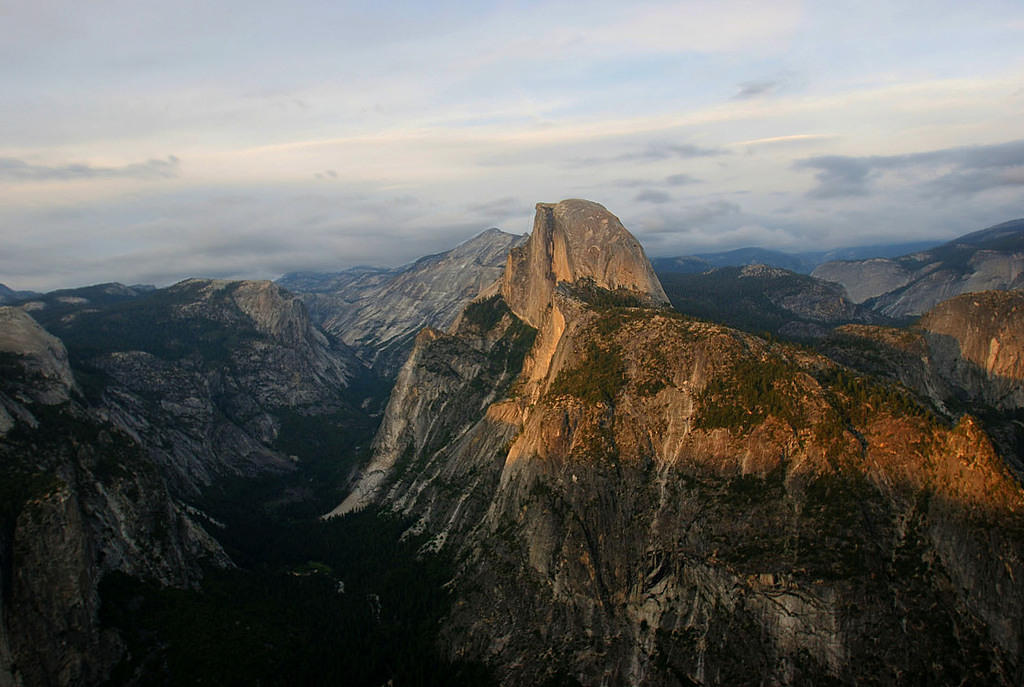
(587, 470)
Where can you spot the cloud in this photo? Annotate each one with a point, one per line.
(752, 89)
(162, 236)
(703, 213)
(665, 151)
(837, 175)
(628, 183)
(680, 180)
(652, 152)
(651, 196)
(498, 208)
(789, 140)
(961, 170)
(970, 181)
(756, 88)
(693, 218)
(14, 169)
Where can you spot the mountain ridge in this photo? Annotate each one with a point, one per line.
(379, 312)
(909, 285)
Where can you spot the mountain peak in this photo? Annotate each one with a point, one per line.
(573, 240)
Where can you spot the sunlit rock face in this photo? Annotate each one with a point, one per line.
(965, 354)
(575, 240)
(635, 497)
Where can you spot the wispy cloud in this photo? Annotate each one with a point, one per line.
(753, 89)
(837, 175)
(692, 218)
(14, 169)
(498, 208)
(680, 180)
(652, 152)
(788, 140)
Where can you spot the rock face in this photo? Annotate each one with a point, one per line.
(910, 285)
(635, 497)
(575, 240)
(977, 342)
(379, 312)
(44, 376)
(967, 350)
(864, 279)
(79, 500)
(210, 375)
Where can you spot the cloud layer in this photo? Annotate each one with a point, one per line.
(324, 134)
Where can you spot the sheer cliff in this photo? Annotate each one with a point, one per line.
(636, 497)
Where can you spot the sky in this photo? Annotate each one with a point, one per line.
(147, 142)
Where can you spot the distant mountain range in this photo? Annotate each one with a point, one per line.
(762, 299)
(803, 263)
(911, 284)
(893, 281)
(379, 311)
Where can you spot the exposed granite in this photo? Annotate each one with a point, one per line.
(624, 512)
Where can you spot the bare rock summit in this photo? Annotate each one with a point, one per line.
(571, 241)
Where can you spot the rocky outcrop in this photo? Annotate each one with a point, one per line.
(379, 312)
(910, 285)
(79, 499)
(649, 499)
(575, 240)
(44, 376)
(967, 351)
(864, 279)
